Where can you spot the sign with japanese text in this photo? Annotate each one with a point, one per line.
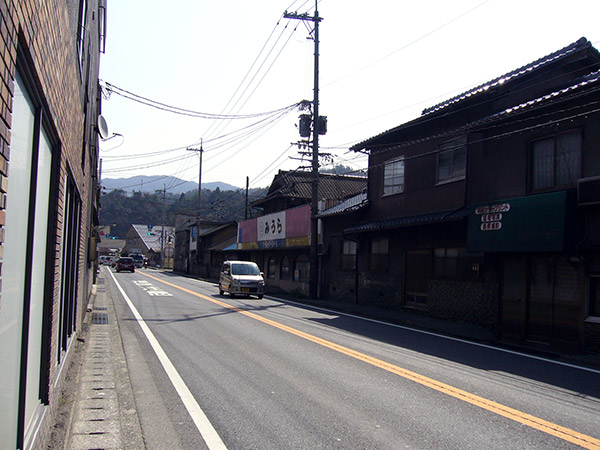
(535, 223)
(271, 226)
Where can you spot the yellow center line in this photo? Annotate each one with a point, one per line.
(553, 429)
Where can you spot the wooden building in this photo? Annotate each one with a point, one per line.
(278, 240)
(485, 208)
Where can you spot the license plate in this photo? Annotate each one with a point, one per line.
(245, 289)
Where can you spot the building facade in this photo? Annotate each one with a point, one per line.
(279, 239)
(155, 242)
(473, 209)
(50, 102)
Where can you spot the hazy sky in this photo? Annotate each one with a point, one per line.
(381, 63)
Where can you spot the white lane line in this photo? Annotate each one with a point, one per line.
(205, 428)
(430, 333)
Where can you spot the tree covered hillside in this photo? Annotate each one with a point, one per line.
(119, 209)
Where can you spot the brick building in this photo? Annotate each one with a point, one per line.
(49, 105)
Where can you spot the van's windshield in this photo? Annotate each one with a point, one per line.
(244, 269)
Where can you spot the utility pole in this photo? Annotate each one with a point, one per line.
(199, 151)
(247, 185)
(314, 204)
(162, 237)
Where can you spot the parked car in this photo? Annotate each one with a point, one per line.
(241, 278)
(125, 263)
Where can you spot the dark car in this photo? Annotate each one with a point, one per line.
(125, 263)
(138, 260)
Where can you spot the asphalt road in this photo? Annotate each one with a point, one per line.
(270, 374)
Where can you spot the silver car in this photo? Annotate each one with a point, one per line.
(241, 278)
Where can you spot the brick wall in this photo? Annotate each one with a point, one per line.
(46, 34)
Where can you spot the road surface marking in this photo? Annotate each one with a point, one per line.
(537, 423)
(205, 428)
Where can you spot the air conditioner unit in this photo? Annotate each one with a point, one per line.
(588, 191)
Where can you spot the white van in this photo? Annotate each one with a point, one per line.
(241, 278)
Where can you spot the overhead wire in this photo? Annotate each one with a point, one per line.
(111, 88)
(409, 44)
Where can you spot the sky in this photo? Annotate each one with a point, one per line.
(233, 66)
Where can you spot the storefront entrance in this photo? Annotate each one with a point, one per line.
(542, 301)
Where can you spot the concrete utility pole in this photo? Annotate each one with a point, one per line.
(162, 237)
(247, 185)
(314, 204)
(199, 151)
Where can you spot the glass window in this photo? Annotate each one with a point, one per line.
(248, 268)
(81, 31)
(556, 161)
(301, 268)
(25, 284)
(456, 264)
(15, 258)
(594, 297)
(271, 267)
(378, 257)
(284, 272)
(348, 255)
(393, 177)
(452, 160)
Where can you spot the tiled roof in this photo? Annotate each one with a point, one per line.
(553, 97)
(295, 184)
(407, 221)
(588, 80)
(581, 45)
(352, 204)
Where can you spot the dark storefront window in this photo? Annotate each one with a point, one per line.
(348, 255)
(594, 305)
(456, 264)
(301, 268)
(417, 274)
(556, 161)
(284, 272)
(378, 257)
(271, 267)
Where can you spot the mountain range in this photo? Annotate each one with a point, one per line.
(174, 185)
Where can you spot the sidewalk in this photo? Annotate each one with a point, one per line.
(104, 414)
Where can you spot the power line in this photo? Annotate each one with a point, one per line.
(111, 88)
(411, 43)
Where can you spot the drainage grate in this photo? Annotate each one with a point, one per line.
(99, 318)
(100, 308)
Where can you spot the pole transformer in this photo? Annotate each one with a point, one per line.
(314, 204)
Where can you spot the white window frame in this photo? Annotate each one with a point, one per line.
(393, 176)
(457, 172)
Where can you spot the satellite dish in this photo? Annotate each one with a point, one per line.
(102, 127)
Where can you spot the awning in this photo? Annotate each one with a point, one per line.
(536, 223)
(408, 221)
(224, 245)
